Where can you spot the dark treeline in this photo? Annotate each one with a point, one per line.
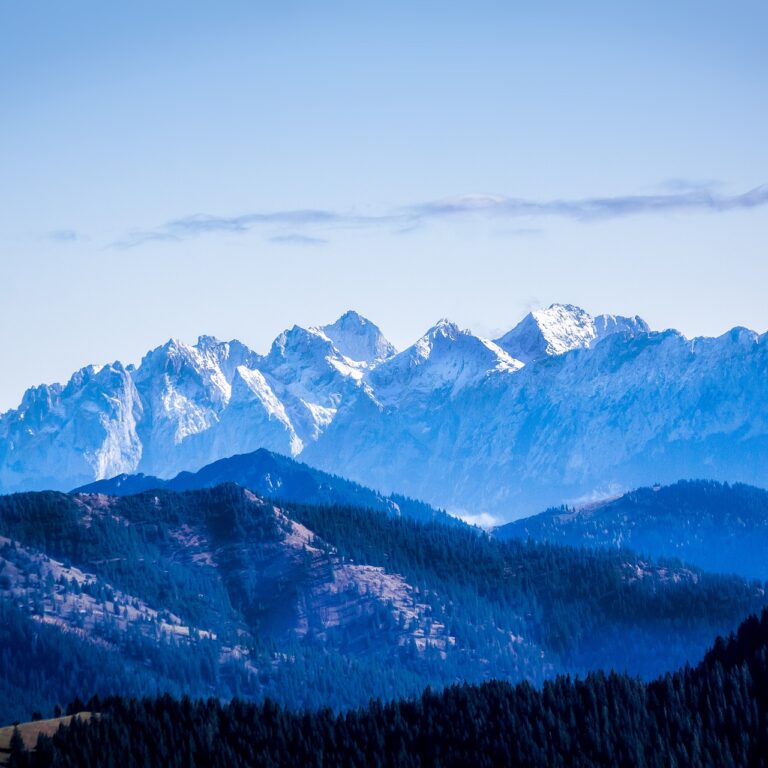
(715, 714)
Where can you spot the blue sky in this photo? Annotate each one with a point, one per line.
(172, 169)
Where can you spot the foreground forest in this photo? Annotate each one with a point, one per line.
(713, 715)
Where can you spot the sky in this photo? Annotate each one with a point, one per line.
(233, 168)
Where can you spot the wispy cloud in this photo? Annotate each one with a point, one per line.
(686, 185)
(591, 208)
(64, 236)
(481, 520)
(138, 237)
(202, 223)
(680, 196)
(519, 231)
(298, 240)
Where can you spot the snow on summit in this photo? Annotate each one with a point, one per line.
(445, 356)
(358, 338)
(561, 328)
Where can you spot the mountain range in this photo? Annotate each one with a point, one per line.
(563, 407)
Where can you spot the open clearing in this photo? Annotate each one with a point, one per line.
(30, 732)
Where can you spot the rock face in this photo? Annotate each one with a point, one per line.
(565, 406)
(87, 428)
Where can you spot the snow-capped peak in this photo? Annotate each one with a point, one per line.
(298, 342)
(562, 327)
(307, 354)
(444, 356)
(210, 364)
(443, 329)
(311, 376)
(446, 338)
(358, 338)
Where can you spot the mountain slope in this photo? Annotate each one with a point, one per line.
(720, 527)
(274, 476)
(709, 716)
(219, 592)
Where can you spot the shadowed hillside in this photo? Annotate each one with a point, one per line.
(716, 526)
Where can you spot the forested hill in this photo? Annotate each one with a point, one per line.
(710, 716)
(219, 592)
(716, 526)
(273, 476)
